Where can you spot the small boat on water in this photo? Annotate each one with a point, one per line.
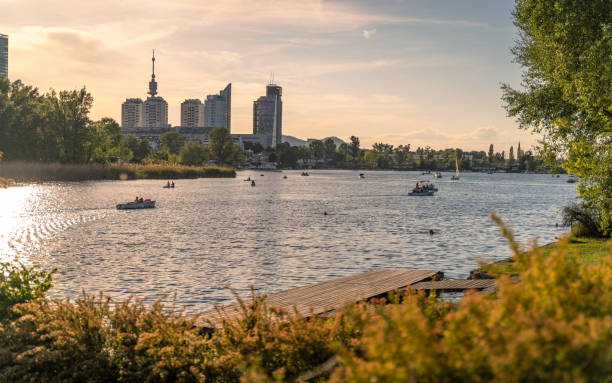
(361, 175)
(423, 188)
(305, 174)
(456, 176)
(437, 175)
(169, 185)
(571, 179)
(421, 193)
(426, 173)
(146, 204)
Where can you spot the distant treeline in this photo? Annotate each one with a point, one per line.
(386, 156)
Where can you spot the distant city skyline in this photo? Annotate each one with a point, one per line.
(418, 72)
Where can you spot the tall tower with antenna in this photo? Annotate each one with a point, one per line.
(153, 83)
(155, 108)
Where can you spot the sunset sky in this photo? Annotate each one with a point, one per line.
(423, 72)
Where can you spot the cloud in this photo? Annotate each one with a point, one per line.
(368, 33)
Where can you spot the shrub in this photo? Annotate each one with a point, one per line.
(19, 283)
(582, 220)
(553, 325)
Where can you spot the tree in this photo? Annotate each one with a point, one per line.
(193, 153)
(565, 47)
(402, 155)
(317, 148)
(329, 146)
(491, 154)
(343, 149)
(511, 156)
(384, 153)
(354, 150)
(222, 146)
(171, 142)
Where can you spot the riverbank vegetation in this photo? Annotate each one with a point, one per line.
(325, 154)
(550, 324)
(565, 49)
(43, 172)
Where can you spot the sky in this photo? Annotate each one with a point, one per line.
(418, 72)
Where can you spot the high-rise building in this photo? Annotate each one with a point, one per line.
(155, 109)
(3, 55)
(192, 113)
(218, 109)
(131, 113)
(268, 116)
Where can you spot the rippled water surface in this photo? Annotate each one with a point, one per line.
(207, 234)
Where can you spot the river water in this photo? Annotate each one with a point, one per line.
(207, 234)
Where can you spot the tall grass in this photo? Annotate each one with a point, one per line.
(41, 172)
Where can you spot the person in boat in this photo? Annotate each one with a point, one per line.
(168, 185)
(417, 185)
(172, 184)
(253, 183)
(136, 200)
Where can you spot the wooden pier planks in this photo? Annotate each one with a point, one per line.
(321, 297)
(456, 285)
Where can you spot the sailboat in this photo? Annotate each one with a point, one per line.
(456, 176)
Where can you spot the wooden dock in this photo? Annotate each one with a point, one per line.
(320, 298)
(455, 285)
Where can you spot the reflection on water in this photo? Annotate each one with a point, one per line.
(211, 233)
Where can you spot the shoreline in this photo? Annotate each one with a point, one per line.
(27, 172)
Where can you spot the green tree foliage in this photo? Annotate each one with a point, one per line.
(317, 148)
(287, 155)
(565, 47)
(343, 150)
(384, 155)
(171, 142)
(140, 148)
(194, 154)
(329, 147)
(222, 146)
(19, 284)
(402, 155)
(55, 127)
(354, 150)
(491, 155)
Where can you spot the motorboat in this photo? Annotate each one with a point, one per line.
(437, 175)
(571, 179)
(426, 173)
(284, 177)
(421, 193)
(146, 204)
(305, 174)
(361, 175)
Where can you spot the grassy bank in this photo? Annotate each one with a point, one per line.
(581, 250)
(42, 172)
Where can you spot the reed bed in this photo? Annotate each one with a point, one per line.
(44, 172)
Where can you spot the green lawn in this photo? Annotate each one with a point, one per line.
(585, 250)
